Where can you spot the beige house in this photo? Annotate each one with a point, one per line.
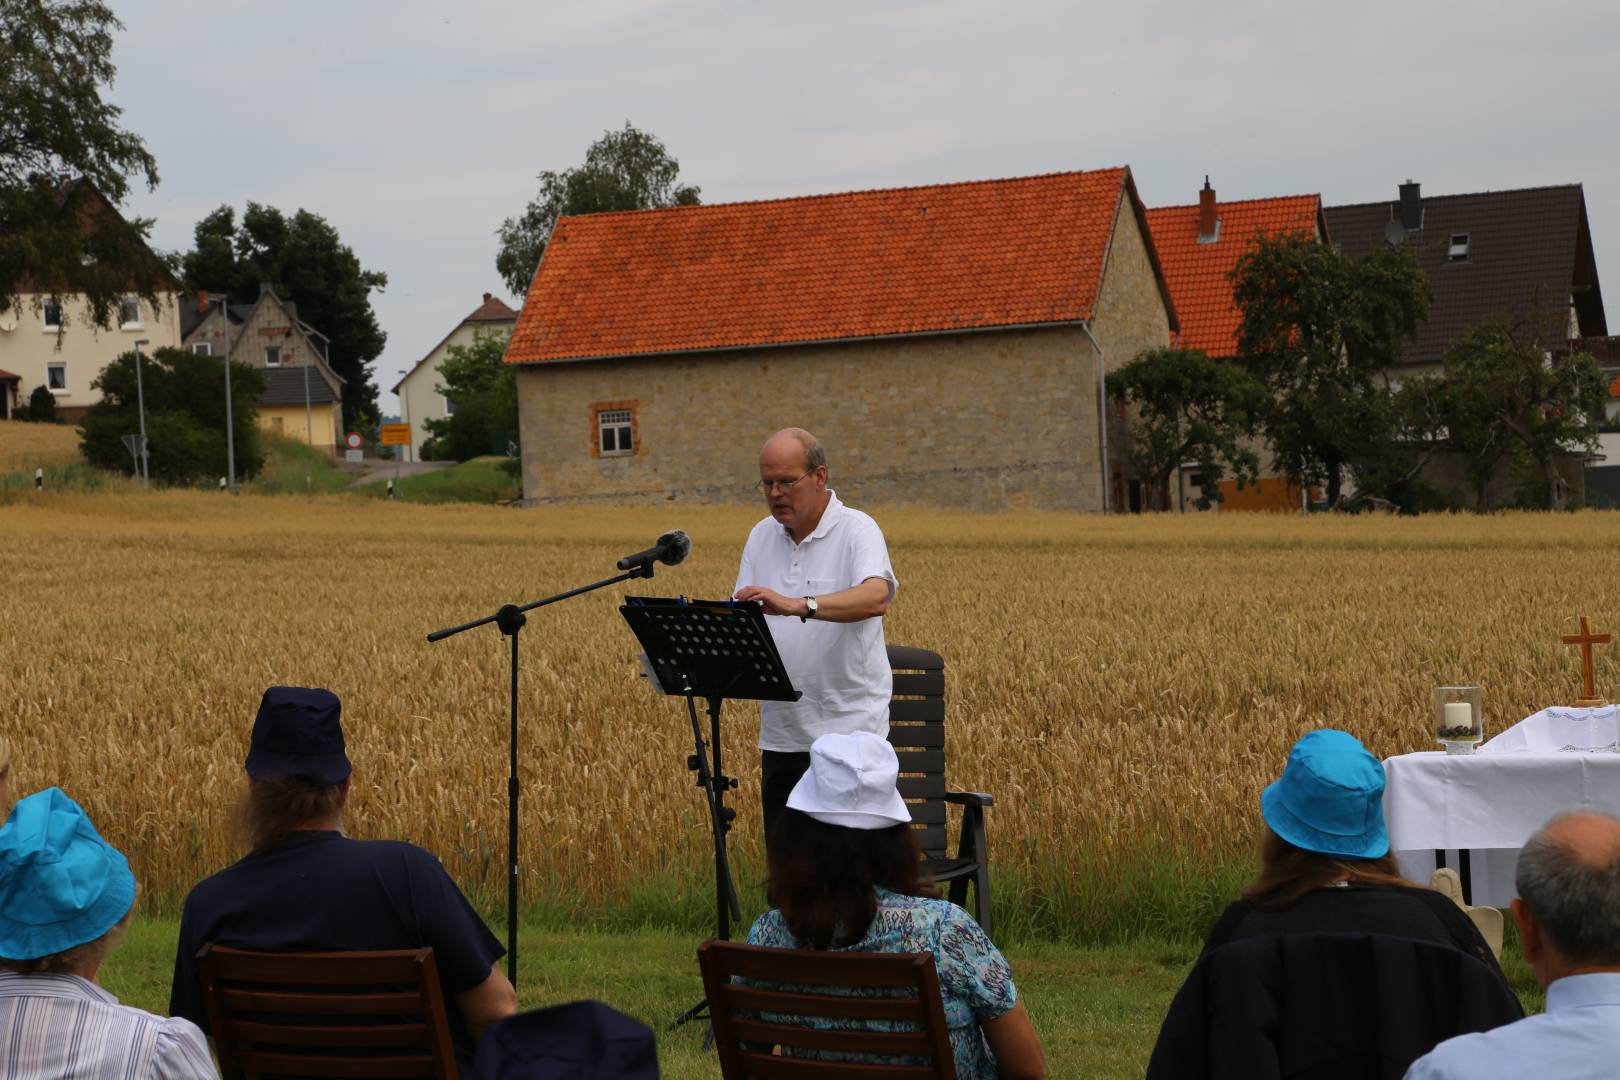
(303, 397)
(421, 396)
(56, 346)
(948, 343)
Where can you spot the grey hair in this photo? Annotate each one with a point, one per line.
(1576, 903)
(814, 456)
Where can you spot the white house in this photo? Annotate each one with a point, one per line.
(419, 393)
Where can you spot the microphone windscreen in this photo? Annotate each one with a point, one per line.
(676, 546)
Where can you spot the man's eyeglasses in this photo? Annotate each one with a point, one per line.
(773, 487)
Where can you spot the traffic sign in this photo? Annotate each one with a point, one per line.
(396, 435)
(354, 457)
(353, 440)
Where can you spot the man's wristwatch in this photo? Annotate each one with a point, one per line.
(810, 609)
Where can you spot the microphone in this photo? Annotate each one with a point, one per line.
(671, 548)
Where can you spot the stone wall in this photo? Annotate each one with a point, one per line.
(977, 420)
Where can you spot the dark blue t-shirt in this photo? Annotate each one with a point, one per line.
(321, 891)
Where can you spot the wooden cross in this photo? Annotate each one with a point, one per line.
(1586, 639)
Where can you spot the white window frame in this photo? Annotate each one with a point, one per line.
(622, 422)
(202, 348)
(57, 365)
(45, 316)
(449, 406)
(1458, 247)
(276, 349)
(130, 324)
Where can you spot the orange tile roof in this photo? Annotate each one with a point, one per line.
(913, 260)
(1197, 273)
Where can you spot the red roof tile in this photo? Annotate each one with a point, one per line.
(863, 264)
(1197, 273)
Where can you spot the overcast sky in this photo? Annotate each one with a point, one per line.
(415, 127)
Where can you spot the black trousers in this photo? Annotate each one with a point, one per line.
(778, 772)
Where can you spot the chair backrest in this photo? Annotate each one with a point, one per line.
(917, 733)
(800, 983)
(366, 1014)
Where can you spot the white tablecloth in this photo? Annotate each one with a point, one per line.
(1488, 804)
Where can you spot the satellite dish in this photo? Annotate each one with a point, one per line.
(7, 323)
(1394, 232)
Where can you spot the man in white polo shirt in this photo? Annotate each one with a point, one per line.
(822, 572)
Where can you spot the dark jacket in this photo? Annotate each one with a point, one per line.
(1324, 1007)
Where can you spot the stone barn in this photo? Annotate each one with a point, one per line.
(949, 344)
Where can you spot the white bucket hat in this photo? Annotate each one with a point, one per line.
(851, 782)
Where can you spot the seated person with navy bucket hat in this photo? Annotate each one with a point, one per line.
(306, 887)
(66, 898)
(1325, 863)
(844, 874)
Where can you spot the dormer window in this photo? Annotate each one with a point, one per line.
(1458, 250)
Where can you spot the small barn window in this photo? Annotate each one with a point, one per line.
(616, 431)
(202, 348)
(272, 356)
(1458, 250)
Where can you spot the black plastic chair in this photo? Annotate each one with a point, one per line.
(917, 733)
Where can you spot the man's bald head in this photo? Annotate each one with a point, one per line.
(1569, 877)
(795, 440)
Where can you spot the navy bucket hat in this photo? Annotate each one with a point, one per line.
(298, 734)
(1330, 798)
(61, 884)
(582, 1040)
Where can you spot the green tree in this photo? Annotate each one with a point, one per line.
(1321, 329)
(66, 164)
(1504, 391)
(185, 416)
(305, 261)
(42, 405)
(482, 389)
(623, 170)
(1189, 407)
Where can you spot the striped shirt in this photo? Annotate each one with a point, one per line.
(61, 1026)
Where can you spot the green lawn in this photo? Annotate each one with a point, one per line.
(1097, 1008)
(480, 480)
(291, 467)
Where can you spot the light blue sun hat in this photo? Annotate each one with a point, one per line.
(1330, 798)
(61, 884)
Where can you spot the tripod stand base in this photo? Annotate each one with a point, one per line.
(700, 1011)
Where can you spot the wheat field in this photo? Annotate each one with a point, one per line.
(1124, 686)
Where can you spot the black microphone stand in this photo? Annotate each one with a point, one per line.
(510, 619)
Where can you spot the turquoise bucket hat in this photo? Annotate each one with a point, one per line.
(61, 884)
(1330, 798)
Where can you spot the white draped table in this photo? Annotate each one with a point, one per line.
(1487, 804)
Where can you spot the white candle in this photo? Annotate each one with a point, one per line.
(1459, 714)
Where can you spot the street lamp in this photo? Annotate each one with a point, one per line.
(203, 300)
(140, 397)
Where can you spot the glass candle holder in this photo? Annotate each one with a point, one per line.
(1459, 718)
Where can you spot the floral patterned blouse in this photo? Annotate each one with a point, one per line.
(973, 975)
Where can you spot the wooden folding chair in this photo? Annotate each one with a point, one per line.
(917, 733)
(336, 1014)
(817, 984)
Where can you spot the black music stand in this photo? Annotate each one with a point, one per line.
(710, 649)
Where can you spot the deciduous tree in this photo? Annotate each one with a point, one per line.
(1321, 329)
(185, 416)
(483, 392)
(1189, 407)
(62, 153)
(305, 261)
(623, 170)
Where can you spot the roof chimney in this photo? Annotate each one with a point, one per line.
(487, 298)
(1209, 226)
(1411, 206)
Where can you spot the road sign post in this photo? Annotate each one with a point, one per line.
(395, 435)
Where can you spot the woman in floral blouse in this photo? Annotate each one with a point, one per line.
(844, 875)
